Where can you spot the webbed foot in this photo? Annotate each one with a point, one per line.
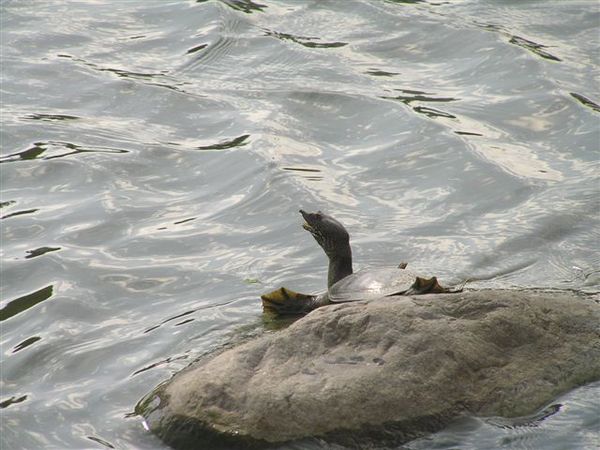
(285, 301)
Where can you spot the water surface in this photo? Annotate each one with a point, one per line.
(154, 156)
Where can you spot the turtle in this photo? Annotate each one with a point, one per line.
(344, 285)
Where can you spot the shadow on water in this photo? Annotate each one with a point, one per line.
(26, 343)
(527, 44)
(306, 172)
(51, 117)
(586, 101)
(409, 96)
(100, 441)
(20, 213)
(39, 148)
(12, 401)
(40, 251)
(304, 41)
(197, 48)
(414, 2)
(245, 6)
(227, 144)
(161, 80)
(160, 363)
(21, 304)
(381, 73)
(533, 47)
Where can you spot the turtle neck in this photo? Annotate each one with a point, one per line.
(340, 266)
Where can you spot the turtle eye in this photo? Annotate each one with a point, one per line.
(319, 215)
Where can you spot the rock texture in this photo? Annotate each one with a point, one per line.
(387, 370)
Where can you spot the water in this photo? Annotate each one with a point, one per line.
(155, 154)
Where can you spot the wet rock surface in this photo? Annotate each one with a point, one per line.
(386, 371)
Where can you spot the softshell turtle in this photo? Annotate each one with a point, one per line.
(342, 284)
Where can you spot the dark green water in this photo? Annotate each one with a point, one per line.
(154, 155)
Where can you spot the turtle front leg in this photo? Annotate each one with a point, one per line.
(284, 301)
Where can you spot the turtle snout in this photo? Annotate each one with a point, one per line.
(312, 218)
(305, 215)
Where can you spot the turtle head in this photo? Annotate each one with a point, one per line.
(328, 232)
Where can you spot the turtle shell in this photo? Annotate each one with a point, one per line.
(372, 283)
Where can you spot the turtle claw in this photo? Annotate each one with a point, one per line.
(285, 301)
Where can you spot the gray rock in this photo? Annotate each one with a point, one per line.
(385, 371)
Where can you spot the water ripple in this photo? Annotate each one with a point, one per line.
(304, 40)
(533, 47)
(157, 154)
(586, 101)
(21, 304)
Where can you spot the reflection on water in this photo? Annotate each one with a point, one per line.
(154, 156)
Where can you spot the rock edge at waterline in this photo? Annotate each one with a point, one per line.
(385, 371)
